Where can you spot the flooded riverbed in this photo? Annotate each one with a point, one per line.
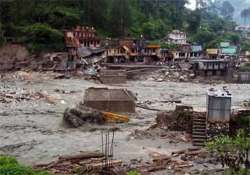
(33, 131)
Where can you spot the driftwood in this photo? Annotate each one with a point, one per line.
(82, 156)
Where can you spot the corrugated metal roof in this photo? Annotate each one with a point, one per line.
(229, 50)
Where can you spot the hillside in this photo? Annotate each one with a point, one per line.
(40, 24)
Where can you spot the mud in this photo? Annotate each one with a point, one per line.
(33, 130)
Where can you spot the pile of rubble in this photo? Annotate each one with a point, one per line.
(173, 75)
(50, 62)
(178, 120)
(172, 136)
(13, 57)
(11, 96)
(180, 162)
(81, 164)
(94, 163)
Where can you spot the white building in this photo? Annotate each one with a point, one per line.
(177, 37)
(244, 30)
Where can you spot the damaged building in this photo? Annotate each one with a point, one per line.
(196, 52)
(176, 37)
(182, 52)
(129, 50)
(110, 100)
(210, 67)
(83, 46)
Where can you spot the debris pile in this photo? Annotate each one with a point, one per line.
(215, 129)
(13, 57)
(178, 120)
(15, 96)
(173, 74)
(173, 136)
(83, 163)
(178, 162)
(50, 62)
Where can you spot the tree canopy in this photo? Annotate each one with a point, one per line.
(40, 24)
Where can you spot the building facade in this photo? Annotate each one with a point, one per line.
(177, 37)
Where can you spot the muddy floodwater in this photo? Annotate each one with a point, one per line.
(33, 130)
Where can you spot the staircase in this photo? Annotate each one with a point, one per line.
(199, 133)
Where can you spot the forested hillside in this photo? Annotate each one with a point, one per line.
(40, 24)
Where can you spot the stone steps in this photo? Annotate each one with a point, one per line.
(199, 133)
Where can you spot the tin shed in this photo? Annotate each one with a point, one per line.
(218, 105)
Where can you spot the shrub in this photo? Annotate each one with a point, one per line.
(233, 151)
(10, 166)
(134, 172)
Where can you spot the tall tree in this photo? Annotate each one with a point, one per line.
(227, 10)
(245, 14)
(95, 12)
(120, 17)
(194, 21)
(178, 15)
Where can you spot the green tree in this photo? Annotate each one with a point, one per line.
(42, 37)
(95, 12)
(204, 36)
(194, 21)
(227, 10)
(120, 17)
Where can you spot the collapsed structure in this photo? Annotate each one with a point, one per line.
(111, 100)
(83, 46)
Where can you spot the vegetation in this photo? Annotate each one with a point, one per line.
(233, 151)
(40, 24)
(134, 172)
(10, 166)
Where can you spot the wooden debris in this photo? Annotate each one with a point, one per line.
(79, 157)
(85, 163)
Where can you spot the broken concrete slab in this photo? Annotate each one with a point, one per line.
(113, 76)
(110, 100)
